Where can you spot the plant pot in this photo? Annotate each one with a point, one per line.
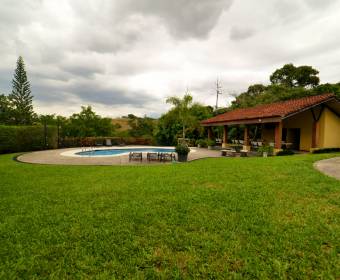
(182, 157)
(265, 154)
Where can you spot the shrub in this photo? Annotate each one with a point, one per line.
(182, 149)
(287, 152)
(211, 143)
(202, 143)
(325, 150)
(26, 138)
(265, 149)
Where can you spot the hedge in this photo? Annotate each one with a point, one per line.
(325, 150)
(26, 138)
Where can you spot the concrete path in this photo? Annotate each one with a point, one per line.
(330, 167)
(62, 157)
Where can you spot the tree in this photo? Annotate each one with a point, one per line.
(87, 124)
(21, 97)
(291, 76)
(182, 106)
(141, 126)
(6, 111)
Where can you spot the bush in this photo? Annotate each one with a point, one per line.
(325, 150)
(211, 143)
(182, 149)
(27, 138)
(285, 153)
(265, 149)
(202, 143)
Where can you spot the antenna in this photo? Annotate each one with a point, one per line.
(218, 92)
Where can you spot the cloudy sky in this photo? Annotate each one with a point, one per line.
(127, 56)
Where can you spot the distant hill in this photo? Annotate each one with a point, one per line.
(123, 122)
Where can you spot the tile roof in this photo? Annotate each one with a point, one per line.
(279, 109)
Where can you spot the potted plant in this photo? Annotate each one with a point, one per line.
(182, 151)
(210, 144)
(201, 143)
(265, 150)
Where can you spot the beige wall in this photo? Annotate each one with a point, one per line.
(304, 121)
(329, 130)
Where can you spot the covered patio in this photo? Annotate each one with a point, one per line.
(300, 124)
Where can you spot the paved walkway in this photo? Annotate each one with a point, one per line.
(61, 156)
(330, 167)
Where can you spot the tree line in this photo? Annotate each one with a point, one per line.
(181, 121)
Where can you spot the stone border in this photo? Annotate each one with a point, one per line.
(64, 157)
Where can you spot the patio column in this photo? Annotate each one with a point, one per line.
(246, 146)
(225, 136)
(278, 136)
(210, 133)
(315, 134)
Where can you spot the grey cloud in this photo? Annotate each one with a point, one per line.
(184, 18)
(109, 96)
(240, 33)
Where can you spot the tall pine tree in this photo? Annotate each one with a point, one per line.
(21, 97)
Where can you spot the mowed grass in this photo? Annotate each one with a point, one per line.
(238, 218)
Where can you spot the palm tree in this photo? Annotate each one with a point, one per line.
(183, 107)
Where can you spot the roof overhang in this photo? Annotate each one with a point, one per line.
(246, 121)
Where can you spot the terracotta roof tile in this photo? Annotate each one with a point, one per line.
(279, 109)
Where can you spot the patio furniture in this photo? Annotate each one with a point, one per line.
(243, 153)
(229, 152)
(152, 156)
(99, 143)
(108, 142)
(135, 156)
(167, 156)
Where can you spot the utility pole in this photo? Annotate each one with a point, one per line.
(218, 92)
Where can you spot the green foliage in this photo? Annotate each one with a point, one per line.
(288, 82)
(87, 124)
(6, 110)
(26, 138)
(286, 152)
(141, 126)
(182, 106)
(202, 143)
(225, 218)
(182, 149)
(211, 143)
(169, 126)
(325, 150)
(21, 98)
(291, 76)
(265, 149)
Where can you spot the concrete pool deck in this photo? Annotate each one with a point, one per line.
(330, 167)
(67, 157)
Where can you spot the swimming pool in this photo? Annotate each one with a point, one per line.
(116, 152)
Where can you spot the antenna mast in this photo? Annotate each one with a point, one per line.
(218, 92)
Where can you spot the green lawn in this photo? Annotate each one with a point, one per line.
(216, 218)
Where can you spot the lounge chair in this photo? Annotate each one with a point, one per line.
(108, 142)
(152, 156)
(167, 157)
(136, 156)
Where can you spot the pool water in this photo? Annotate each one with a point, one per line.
(113, 152)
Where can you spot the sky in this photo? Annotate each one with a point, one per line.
(128, 56)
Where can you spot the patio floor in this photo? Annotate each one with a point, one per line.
(56, 157)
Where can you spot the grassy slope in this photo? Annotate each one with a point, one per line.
(214, 218)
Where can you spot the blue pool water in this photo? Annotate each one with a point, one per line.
(112, 152)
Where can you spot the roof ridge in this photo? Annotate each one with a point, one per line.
(276, 109)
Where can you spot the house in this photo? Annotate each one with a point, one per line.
(306, 123)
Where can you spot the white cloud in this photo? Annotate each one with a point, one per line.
(127, 56)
